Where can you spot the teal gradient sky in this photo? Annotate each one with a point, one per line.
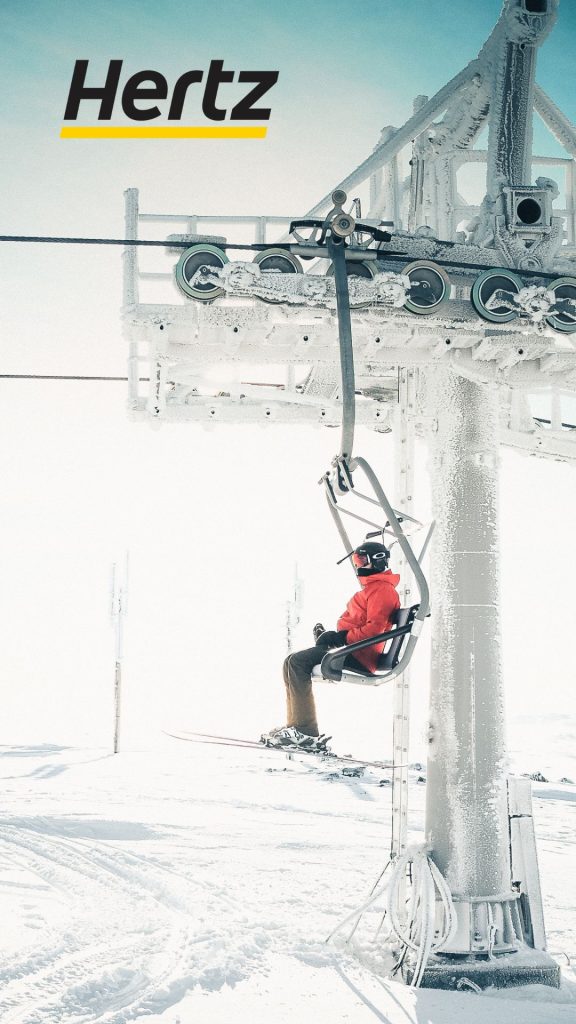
(347, 68)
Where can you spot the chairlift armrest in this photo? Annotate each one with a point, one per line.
(334, 657)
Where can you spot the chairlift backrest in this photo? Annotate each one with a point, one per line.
(391, 656)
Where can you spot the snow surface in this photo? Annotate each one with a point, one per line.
(200, 882)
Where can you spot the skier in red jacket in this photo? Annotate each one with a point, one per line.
(368, 612)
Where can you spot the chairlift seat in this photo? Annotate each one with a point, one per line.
(332, 669)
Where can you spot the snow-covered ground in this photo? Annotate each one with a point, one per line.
(199, 883)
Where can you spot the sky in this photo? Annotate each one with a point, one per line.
(211, 559)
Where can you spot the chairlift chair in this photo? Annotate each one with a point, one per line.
(390, 663)
(339, 482)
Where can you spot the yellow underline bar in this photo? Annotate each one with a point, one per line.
(229, 131)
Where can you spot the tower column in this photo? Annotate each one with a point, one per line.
(510, 135)
(466, 799)
(467, 818)
(512, 103)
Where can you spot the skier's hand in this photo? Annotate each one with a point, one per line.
(332, 638)
(317, 631)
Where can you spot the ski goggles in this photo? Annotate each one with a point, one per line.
(362, 560)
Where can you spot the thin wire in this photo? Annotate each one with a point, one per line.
(165, 244)
(359, 910)
(60, 376)
(257, 246)
(420, 934)
(371, 893)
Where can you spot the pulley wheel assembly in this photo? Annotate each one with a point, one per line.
(199, 260)
(492, 294)
(429, 287)
(564, 317)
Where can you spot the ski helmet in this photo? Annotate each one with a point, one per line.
(370, 558)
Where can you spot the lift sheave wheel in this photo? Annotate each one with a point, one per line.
(493, 295)
(429, 287)
(357, 268)
(194, 260)
(277, 261)
(564, 317)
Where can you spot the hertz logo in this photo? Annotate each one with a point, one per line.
(142, 90)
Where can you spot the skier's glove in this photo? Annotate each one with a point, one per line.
(317, 631)
(332, 638)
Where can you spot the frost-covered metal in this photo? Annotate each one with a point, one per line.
(466, 796)
(475, 359)
(404, 437)
(247, 279)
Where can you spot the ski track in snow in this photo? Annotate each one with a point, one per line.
(130, 881)
(140, 932)
(97, 955)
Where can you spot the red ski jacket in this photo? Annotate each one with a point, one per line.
(368, 612)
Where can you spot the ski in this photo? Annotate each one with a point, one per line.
(235, 741)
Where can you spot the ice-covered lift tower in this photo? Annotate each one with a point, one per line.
(459, 317)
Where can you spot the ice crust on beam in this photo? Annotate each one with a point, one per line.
(240, 278)
(555, 120)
